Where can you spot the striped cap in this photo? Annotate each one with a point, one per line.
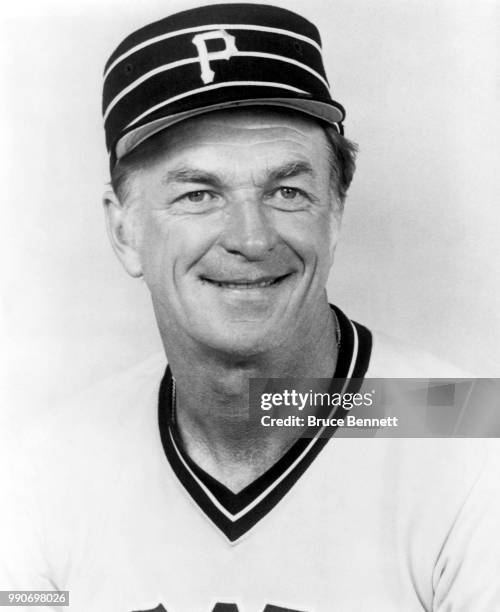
(210, 58)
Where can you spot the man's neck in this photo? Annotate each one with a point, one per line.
(212, 403)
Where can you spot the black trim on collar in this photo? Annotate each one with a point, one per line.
(365, 350)
(236, 513)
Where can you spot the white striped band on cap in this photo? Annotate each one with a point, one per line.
(193, 92)
(204, 28)
(194, 60)
(208, 58)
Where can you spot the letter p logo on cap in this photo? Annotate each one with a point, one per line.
(204, 55)
(155, 77)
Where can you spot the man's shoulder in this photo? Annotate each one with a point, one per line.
(392, 358)
(124, 387)
(102, 411)
(76, 438)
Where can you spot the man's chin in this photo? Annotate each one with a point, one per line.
(244, 339)
(241, 321)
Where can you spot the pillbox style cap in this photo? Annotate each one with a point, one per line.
(211, 58)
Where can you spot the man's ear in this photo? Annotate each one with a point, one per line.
(122, 233)
(336, 213)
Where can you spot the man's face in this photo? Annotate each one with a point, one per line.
(238, 229)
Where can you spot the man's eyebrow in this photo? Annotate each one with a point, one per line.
(290, 170)
(186, 174)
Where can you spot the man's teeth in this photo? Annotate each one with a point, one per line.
(243, 285)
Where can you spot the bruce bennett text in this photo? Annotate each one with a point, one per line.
(313, 421)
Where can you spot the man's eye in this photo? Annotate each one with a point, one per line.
(288, 198)
(200, 201)
(197, 196)
(288, 193)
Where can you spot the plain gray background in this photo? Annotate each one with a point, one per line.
(419, 253)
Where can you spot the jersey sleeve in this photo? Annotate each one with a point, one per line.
(23, 564)
(467, 573)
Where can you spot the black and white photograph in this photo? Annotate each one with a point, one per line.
(250, 308)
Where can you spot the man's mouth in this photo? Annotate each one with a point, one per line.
(258, 283)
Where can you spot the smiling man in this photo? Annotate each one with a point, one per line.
(233, 218)
(234, 211)
(156, 491)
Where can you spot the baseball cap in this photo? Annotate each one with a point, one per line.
(210, 58)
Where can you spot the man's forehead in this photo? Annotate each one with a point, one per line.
(238, 129)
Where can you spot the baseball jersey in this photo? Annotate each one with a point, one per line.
(107, 504)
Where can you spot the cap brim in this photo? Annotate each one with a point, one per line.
(327, 112)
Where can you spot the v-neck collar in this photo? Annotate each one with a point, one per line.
(236, 513)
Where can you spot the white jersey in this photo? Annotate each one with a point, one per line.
(111, 509)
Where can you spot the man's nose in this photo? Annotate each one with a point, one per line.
(249, 229)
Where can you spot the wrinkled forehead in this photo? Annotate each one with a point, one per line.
(243, 131)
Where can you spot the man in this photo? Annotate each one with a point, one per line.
(229, 175)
